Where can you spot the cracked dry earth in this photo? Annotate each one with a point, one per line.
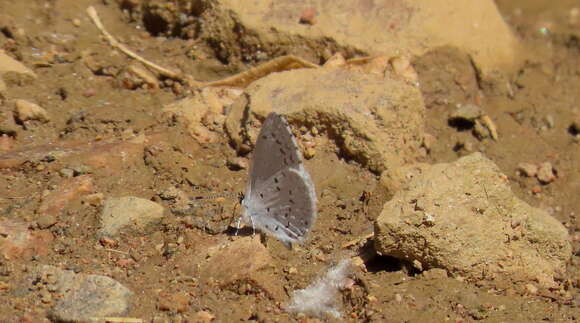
(99, 156)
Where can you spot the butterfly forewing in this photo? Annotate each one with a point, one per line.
(276, 149)
(280, 199)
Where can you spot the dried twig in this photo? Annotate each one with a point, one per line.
(241, 80)
(163, 71)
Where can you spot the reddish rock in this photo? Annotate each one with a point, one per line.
(308, 16)
(17, 241)
(68, 191)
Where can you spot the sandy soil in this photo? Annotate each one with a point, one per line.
(81, 85)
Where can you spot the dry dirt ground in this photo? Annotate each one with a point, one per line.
(82, 84)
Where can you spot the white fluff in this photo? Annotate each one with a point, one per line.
(320, 297)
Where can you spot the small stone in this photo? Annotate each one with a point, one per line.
(46, 220)
(95, 199)
(531, 289)
(549, 120)
(203, 317)
(528, 169)
(26, 111)
(468, 112)
(178, 302)
(398, 298)
(67, 172)
(45, 296)
(237, 163)
(83, 297)
(308, 16)
(546, 173)
(309, 153)
(134, 213)
(402, 66)
(435, 273)
(76, 22)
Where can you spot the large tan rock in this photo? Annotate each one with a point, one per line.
(463, 217)
(12, 71)
(374, 120)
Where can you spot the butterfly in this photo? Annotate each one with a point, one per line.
(280, 198)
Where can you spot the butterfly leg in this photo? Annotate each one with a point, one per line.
(238, 225)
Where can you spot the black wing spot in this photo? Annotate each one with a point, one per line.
(278, 142)
(282, 151)
(268, 209)
(278, 188)
(276, 229)
(285, 215)
(261, 195)
(276, 180)
(289, 192)
(291, 201)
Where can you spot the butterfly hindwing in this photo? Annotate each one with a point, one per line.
(285, 205)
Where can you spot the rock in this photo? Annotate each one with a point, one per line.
(45, 221)
(237, 163)
(203, 317)
(192, 111)
(19, 242)
(467, 112)
(308, 16)
(411, 27)
(227, 263)
(546, 173)
(175, 302)
(132, 213)
(528, 169)
(374, 120)
(82, 297)
(13, 72)
(69, 190)
(478, 227)
(27, 111)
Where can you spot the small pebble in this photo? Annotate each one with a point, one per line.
(531, 289)
(308, 16)
(45, 221)
(76, 22)
(546, 173)
(309, 153)
(528, 169)
(468, 112)
(26, 111)
(237, 163)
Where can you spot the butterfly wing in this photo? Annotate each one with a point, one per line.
(276, 149)
(280, 199)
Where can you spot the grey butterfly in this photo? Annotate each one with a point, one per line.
(280, 199)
